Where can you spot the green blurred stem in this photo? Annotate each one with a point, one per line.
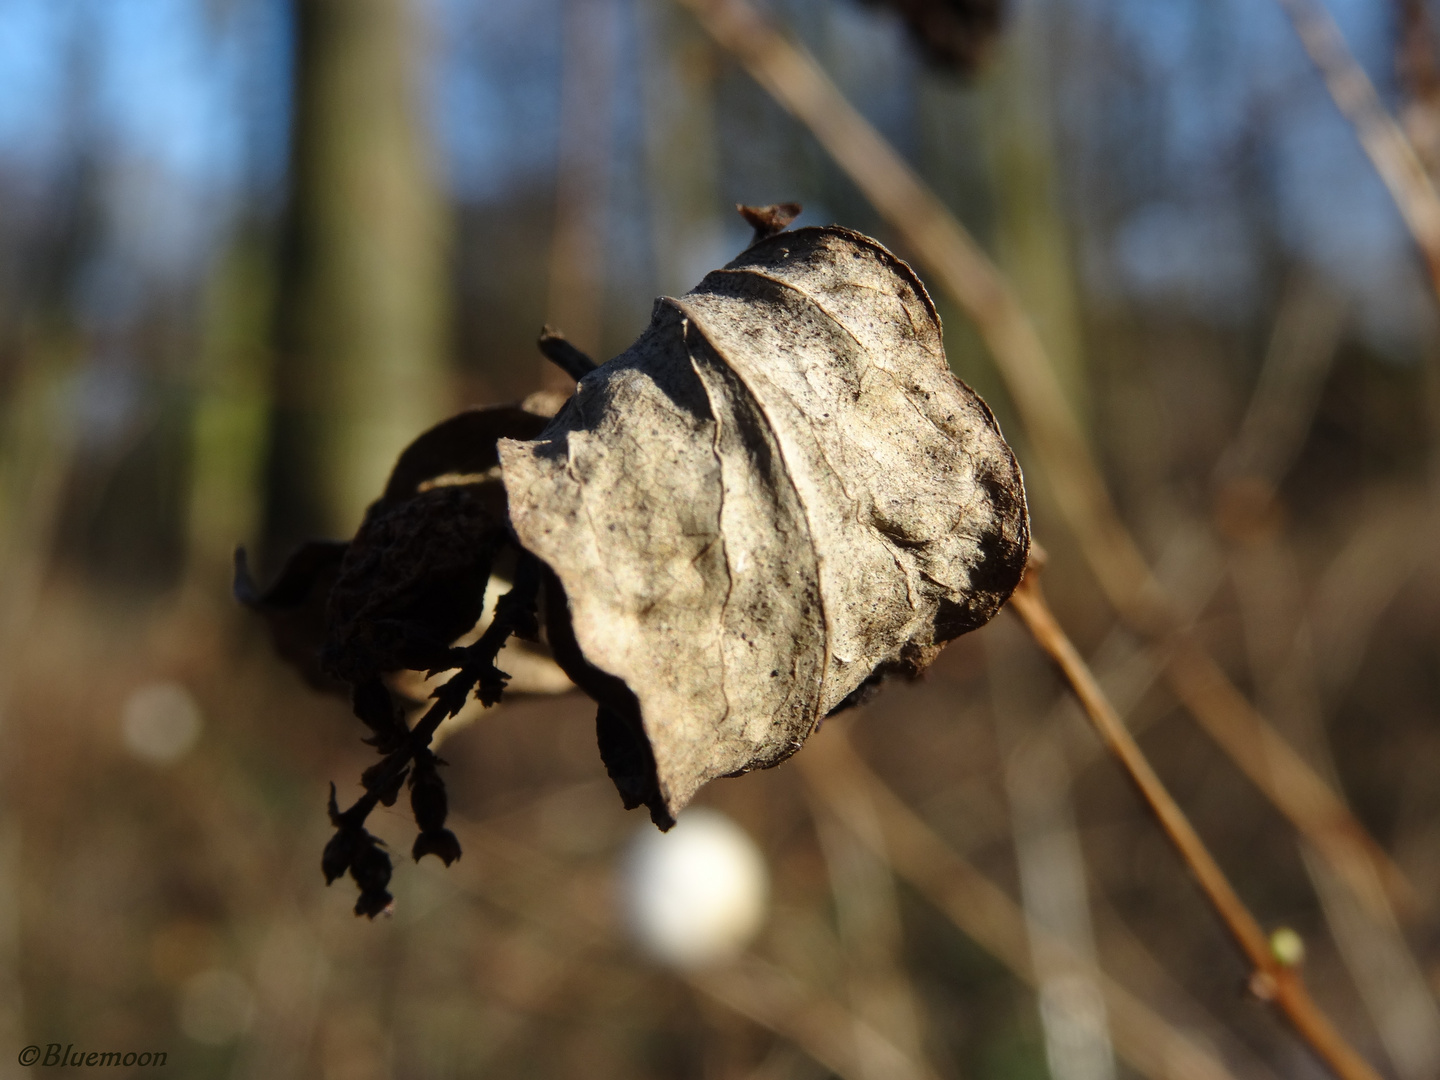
(360, 312)
(1030, 232)
(231, 413)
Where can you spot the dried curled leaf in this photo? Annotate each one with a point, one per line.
(776, 496)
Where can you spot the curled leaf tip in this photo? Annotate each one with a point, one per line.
(556, 348)
(769, 220)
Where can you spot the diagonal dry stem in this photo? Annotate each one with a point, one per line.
(1272, 979)
(953, 259)
(1382, 138)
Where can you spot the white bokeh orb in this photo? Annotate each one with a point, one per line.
(160, 722)
(696, 895)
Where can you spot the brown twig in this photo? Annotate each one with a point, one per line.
(557, 348)
(1272, 979)
(1419, 70)
(952, 257)
(1383, 140)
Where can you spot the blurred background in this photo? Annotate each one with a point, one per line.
(250, 248)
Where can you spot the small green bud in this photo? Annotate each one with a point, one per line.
(1287, 947)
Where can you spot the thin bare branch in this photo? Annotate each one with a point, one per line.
(1383, 140)
(1303, 344)
(1272, 979)
(1416, 64)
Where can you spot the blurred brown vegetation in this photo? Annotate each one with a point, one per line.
(1263, 399)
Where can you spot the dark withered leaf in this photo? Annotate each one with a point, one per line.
(460, 447)
(294, 605)
(413, 580)
(956, 35)
(777, 495)
(629, 762)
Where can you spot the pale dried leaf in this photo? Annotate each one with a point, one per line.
(778, 494)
